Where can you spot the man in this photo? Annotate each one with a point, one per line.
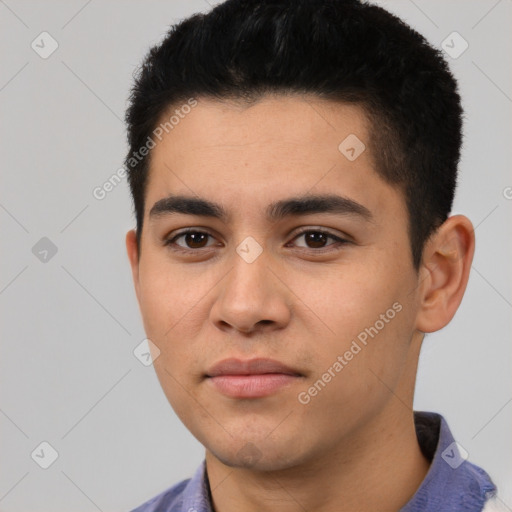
(292, 165)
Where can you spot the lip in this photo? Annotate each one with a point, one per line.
(256, 366)
(254, 378)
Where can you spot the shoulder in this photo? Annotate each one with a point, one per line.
(187, 495)
(168, 500)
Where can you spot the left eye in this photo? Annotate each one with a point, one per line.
(318, 237)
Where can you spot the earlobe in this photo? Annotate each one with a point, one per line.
(446, 264)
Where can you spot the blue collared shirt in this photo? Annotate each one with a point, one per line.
(452, 483)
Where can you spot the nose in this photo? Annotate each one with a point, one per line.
(251, 297)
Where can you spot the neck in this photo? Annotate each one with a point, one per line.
(380, 474)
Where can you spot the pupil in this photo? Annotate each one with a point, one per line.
(194, 238)
(316, 238)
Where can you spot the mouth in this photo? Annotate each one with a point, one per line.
(254, 378)
(252, 386)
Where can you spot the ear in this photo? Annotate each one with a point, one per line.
(444, 273)
(133, 256)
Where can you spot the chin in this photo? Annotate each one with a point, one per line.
(256, 457)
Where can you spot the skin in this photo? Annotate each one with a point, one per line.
(353, 446)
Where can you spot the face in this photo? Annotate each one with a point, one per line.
(324, 287)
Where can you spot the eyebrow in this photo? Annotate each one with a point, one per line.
(294, 206)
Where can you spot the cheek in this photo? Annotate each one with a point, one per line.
(369, 327)
(349, 299)
(356, 373)
(167, 306)
(167, 296)
(172, 308)
(155, 308)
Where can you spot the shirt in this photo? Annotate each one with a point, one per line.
(452, 483)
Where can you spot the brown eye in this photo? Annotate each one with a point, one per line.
(195, 240)
(192, 240)
(317, 239)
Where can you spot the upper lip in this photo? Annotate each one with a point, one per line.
(250, 367)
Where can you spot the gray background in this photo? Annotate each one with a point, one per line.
(71, 323)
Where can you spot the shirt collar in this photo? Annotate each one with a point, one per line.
(197, 494)
(452, 482)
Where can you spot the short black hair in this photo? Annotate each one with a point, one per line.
(341, 50)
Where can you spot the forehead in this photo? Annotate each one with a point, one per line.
(253, 155)
(295, 120)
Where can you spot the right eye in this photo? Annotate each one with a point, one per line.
(193, 238)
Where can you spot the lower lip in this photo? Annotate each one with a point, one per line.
(251, 386)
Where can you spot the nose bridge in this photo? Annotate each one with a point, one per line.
(250, 273)
(251, 292)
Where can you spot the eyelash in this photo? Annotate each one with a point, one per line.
(170, 242)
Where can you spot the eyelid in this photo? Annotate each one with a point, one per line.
(321, 229)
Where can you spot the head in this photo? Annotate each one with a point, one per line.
(243, 124)
(340, 50)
